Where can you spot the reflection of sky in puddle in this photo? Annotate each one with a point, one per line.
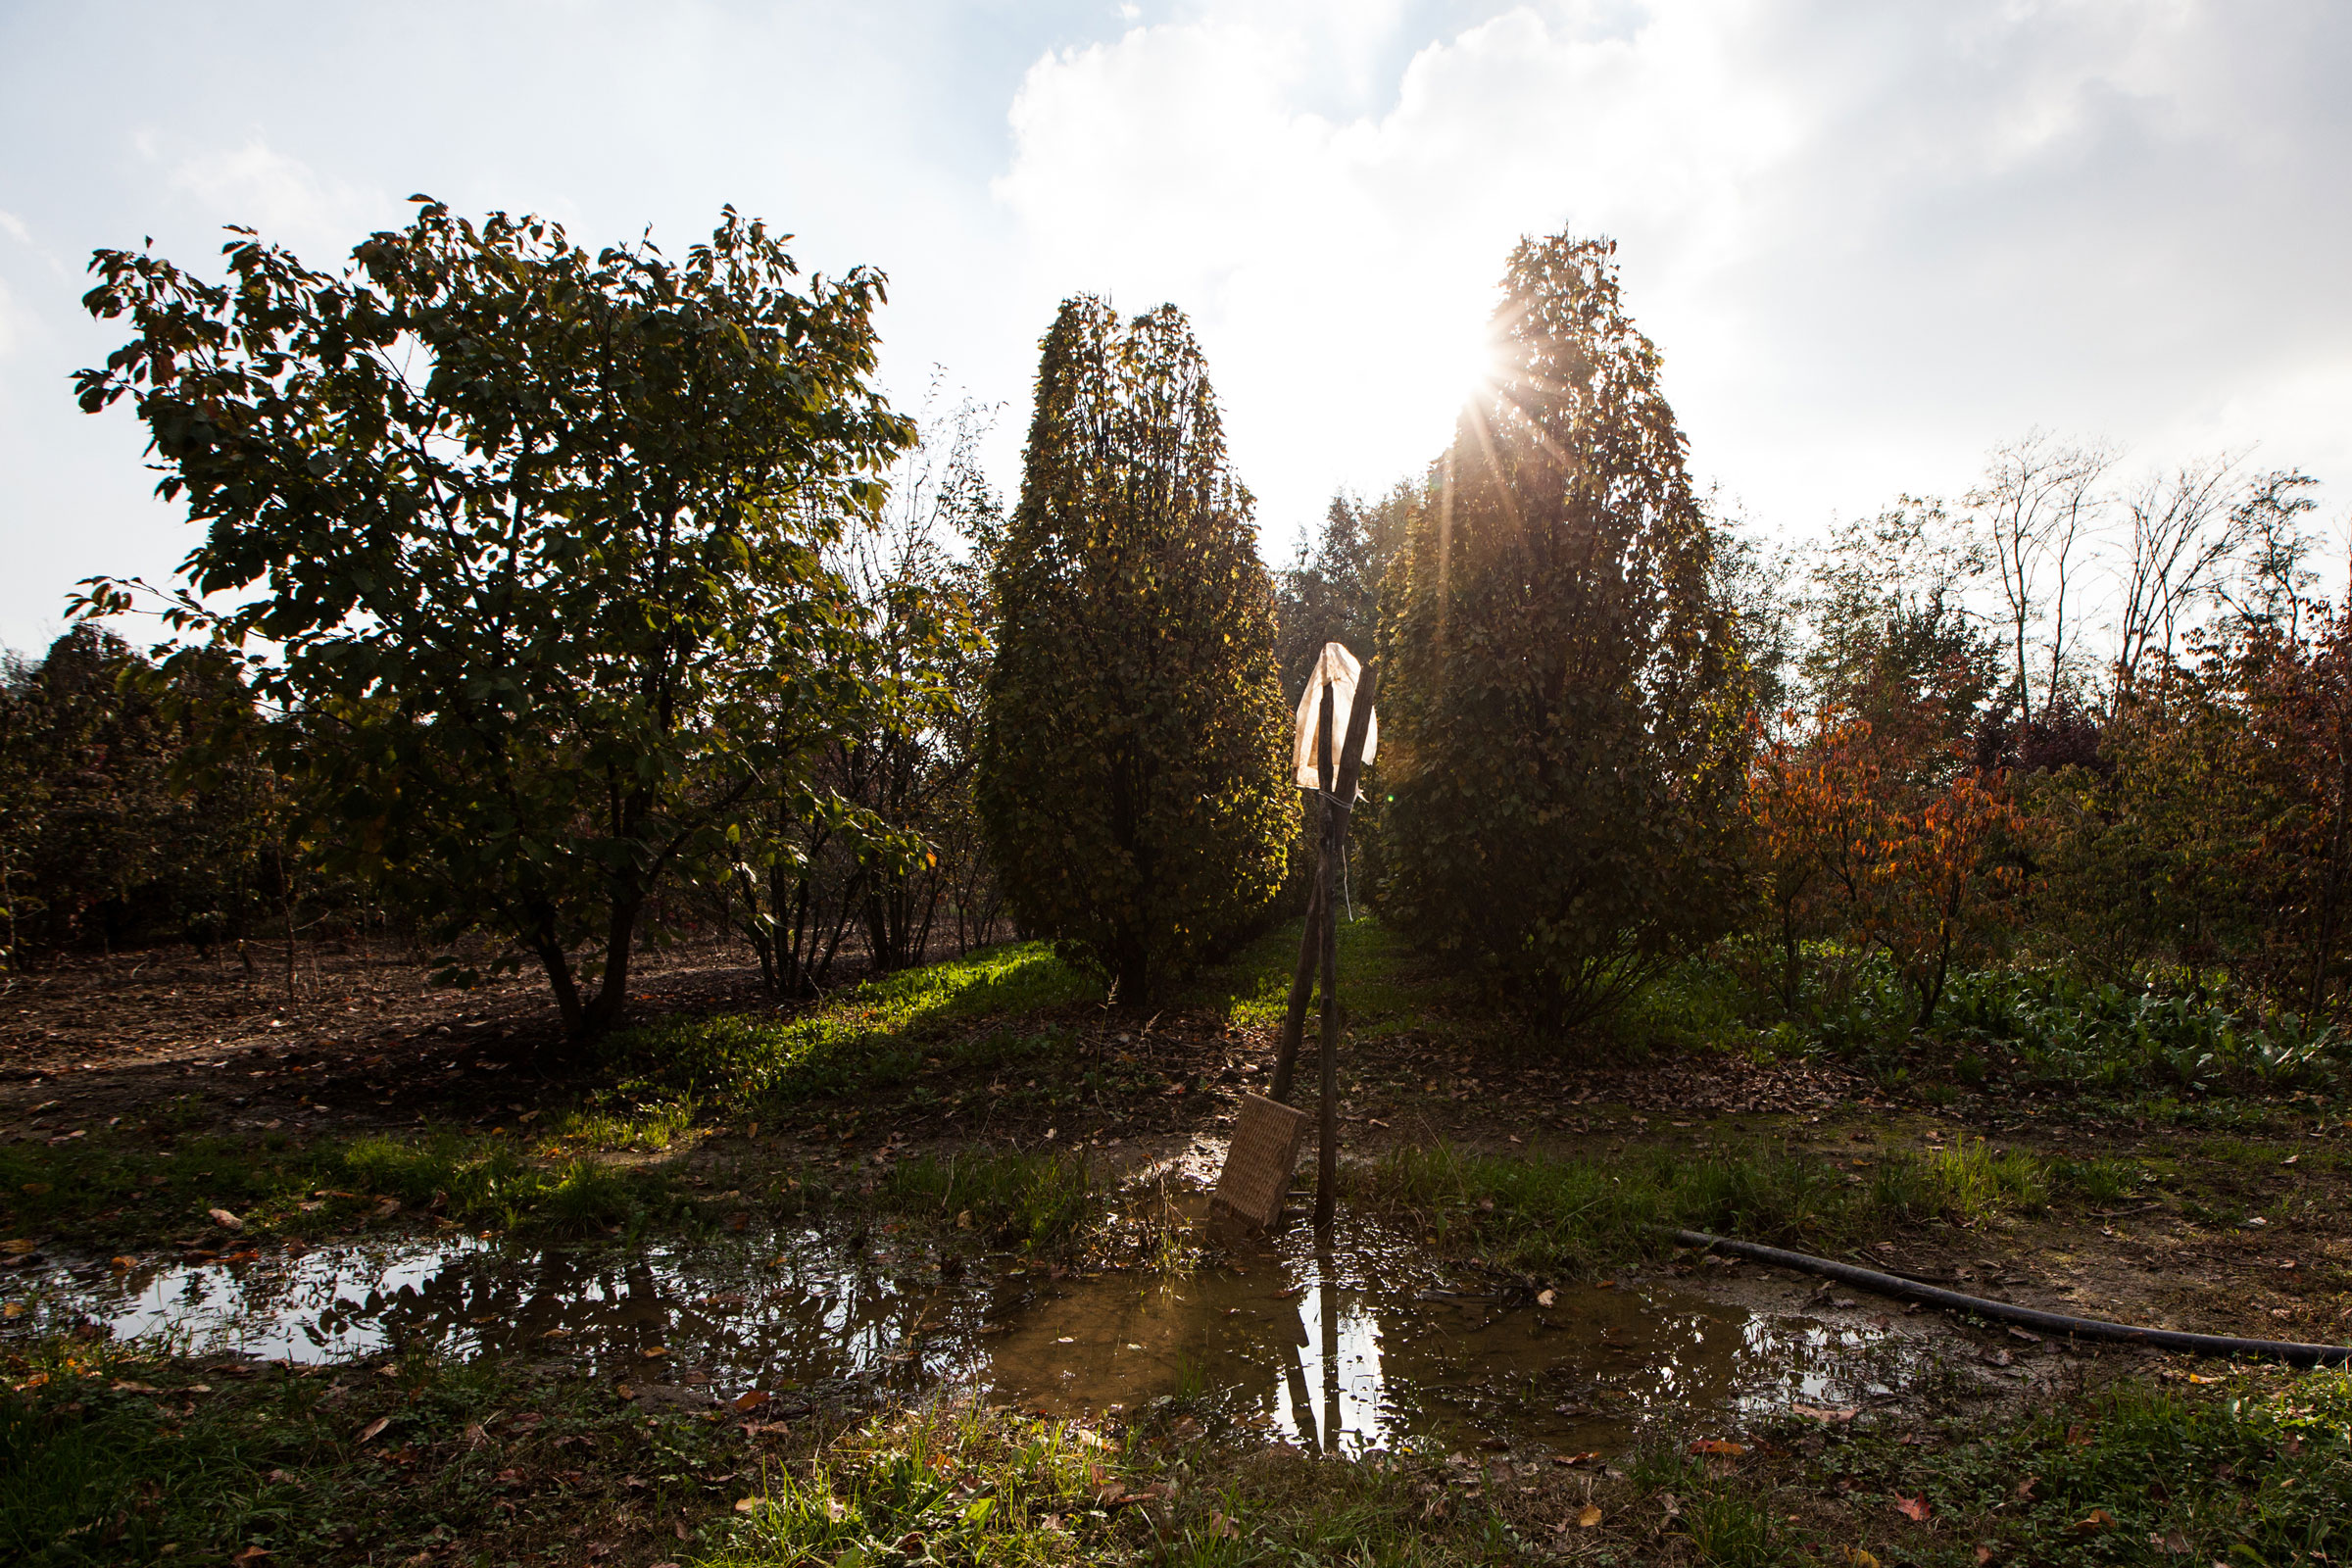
(1359, 1349)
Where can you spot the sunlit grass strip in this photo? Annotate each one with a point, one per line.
(1383, 984)
(865, 1036)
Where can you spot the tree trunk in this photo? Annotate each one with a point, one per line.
(611, 997)
(559, 980)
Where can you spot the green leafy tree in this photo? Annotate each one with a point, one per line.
(1132, 756)
(526, 540)
(1331, 593)
(881, 838)
(106, 835)
(1563, 734)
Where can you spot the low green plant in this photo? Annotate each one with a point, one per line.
(949, 1482)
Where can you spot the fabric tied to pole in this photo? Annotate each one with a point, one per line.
(1337, 668)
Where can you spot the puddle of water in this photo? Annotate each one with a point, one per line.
(1369, 1346)
(1373, 1345)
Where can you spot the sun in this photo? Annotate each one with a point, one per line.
(1458, 363)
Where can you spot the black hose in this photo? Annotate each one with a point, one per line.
(2083, 1328)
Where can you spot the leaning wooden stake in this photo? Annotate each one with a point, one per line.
(1339, 807)
(1318, 900)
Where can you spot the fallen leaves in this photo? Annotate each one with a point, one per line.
(1822, 1414)
(750, 1399)
(1588, 1516)
(1718, 1446)
(224, 1219)
(1916, 1510)
(374, 1429)
(2097, 1522)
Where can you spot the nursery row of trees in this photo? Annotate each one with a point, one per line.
(555, 602)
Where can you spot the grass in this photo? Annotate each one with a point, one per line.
(1030, 1201)
(2252, 1473)
(869, 1038)
(106, 1455)
(1385, 987)
(123, 1193)
(949, 1482)
(1565, 1217)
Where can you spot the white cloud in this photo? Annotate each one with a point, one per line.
(1869, 240)
(12, 325)
(282, 196)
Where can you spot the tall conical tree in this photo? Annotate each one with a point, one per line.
(1132, 759)
(1562, 728)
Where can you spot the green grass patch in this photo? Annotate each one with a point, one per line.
(2252, 1475)
(1033, 1201)
(947, 1484)
(1581, 1216)
(127, 1193)
(872, 1037)
(109, 1456)
(1385, 985)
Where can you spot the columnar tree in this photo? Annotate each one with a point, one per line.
(1134, 735)
(1563, 730)
(528, 540)
(1331, 591)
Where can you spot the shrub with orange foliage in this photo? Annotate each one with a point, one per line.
(1860, 837)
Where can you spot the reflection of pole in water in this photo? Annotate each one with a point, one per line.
(1302, 1403)
(1327, 1297)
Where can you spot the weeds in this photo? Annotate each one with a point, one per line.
(949, 1482)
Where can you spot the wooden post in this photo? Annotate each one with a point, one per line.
(1339, 808)
(1318, 905)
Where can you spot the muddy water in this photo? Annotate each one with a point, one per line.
(1367, 1345)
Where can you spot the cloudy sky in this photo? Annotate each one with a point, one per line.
(1871, 239)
